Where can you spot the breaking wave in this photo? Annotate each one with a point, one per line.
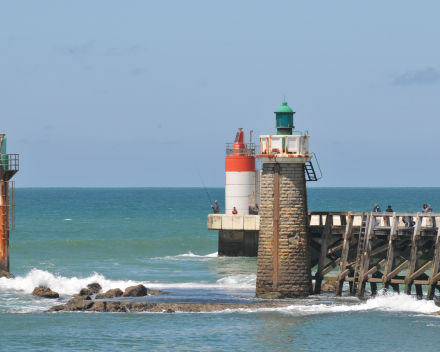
(12, 289)
(187, 255)
(190, 254)
(69, 286)
(385, 302)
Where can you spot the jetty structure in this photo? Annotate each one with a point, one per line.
(296, 247)
(9, 164)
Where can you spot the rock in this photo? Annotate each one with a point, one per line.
(46, 293)
(438, 312)
(116, 292)
(83, 305)
(8, 275)
(77, 299)
(86, 292)
(116, 307)
(271, 295)
(328, 286)
(98, 307)
(159, 307)
(95, 287)
(56, 308)
(155, 292)
(135, 291)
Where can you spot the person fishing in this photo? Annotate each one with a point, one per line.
(408, 220)
(387, 218)
(376, 209)
(427, 209)
(216, 207)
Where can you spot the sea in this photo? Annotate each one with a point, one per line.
(66, 238)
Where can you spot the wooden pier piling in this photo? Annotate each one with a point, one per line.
(375, 254)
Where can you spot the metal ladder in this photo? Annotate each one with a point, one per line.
(360, 249)
(310, 172)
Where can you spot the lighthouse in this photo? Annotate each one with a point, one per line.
(240, 176)
(283, 263)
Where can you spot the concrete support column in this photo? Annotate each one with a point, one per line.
(283, 249)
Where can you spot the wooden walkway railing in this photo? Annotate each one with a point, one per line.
(376, 248)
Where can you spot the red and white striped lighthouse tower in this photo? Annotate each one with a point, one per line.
(240, 191)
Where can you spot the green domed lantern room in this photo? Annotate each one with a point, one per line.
(284, 119)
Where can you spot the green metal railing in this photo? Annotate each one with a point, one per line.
(9, 162)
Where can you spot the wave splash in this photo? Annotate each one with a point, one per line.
(69, 286)
(385, 302)
(62, 285)
(189, 255)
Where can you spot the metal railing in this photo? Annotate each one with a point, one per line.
(383, 219)
(9, 162)
(249, 149)
(317, 163)
(284, 144)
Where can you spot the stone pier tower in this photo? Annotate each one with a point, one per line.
(283, 248)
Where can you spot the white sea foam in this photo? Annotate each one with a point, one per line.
(62, 285)
(390, 302)
(188, 255)
(67, 219)
(69, 286)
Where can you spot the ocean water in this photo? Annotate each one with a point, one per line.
(66, 238)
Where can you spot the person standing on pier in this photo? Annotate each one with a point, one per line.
(408, 220)
(255, 209)
(234, 211)
(216, 208)
(427, 209)
(387, 218)
(376, 209)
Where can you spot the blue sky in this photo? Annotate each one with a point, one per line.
(140, 93)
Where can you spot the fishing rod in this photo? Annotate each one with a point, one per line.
(204, 186)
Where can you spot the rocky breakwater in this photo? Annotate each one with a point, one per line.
(83, 302)
(45, 292)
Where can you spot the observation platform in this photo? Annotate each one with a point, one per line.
(9, 166)
(284, 149)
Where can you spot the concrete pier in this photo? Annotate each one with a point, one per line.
(237, 234)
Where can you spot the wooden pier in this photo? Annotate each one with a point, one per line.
(375, 248)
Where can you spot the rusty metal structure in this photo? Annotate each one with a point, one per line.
(9, 166)
(389, 249)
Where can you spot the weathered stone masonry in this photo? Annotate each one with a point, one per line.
(294, 273)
